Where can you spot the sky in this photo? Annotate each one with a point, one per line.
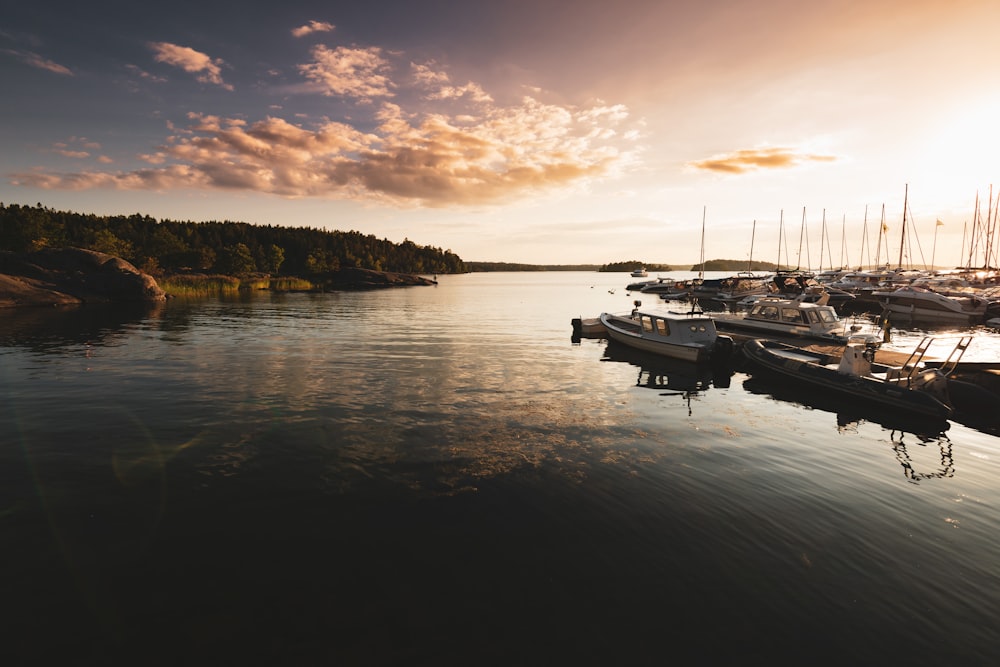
(540, 132)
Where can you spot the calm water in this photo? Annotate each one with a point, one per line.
(438, 475)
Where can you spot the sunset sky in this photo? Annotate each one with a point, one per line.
(541, 131)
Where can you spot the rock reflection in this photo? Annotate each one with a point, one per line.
(53, 329)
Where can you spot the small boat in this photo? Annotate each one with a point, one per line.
(797, 317)
(912, 387)
(588, 327)
(686, 336)
(640, 273)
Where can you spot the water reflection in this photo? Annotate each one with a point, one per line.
(848, 412)
(51, 329)
(672, 377)
(945, 468)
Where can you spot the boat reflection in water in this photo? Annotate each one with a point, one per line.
(848, 411)
(905, 432)
(673, 377)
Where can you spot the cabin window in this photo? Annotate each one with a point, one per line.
(813, 316)
(766, 312)
(647, 324)
(791, 315)
(827, 316)
(661, 328)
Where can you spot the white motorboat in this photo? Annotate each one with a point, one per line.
(921, 303)
(798, 317)
(640, 273)
(686, 336)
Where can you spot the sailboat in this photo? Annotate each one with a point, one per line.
(921, 303)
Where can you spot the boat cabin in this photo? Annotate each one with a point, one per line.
(793, 312)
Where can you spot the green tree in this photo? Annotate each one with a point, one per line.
(236, 260)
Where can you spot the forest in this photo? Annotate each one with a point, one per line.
(166, 247)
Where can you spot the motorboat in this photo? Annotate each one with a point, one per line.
(726, 292)
(919, 302)
(791, 284)
(912, 387)
(640, 273)
(797, 317)
(688, 336)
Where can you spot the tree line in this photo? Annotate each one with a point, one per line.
(232, 248)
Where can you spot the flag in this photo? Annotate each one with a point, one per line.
(939, 223)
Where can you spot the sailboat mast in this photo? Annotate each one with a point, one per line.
(989, 230)
(703, 210)
(902, 234)
(781, 234)
(753, 234)
(802, 231)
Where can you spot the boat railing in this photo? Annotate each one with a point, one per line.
(914, 363)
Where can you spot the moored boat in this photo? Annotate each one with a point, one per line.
(588, 327)
(686, 336)
(789, 317)
(911, 387)
(924, 304)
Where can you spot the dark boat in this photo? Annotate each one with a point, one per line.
(912, 387)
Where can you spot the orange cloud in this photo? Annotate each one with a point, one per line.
(745, 160)
(35, 60)
(189, 60)
(437, 161)
(435, 144)
(311, 27)
(357, 73)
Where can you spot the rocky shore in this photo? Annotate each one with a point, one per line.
(71, 276)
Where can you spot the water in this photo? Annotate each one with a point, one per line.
(438, 475)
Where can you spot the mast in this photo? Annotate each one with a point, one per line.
(902, 234)
(989, 230)
(753, 234)
(844, 259)
(802, 231)
(781, 234)
(701, 274)
(883, 228)
(822, 234)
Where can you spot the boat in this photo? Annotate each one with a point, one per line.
(727, 292)
(640, 273)
(912, 387)
(588, 327)
(688, 336)
(797, 317)
(919, 302)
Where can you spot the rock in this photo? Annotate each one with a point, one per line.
(369, 279)
(64, 276)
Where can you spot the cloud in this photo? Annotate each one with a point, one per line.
(35, 60)
(311, 27)
(423, 141)
(207, 69)
(745, 160)
(437, 161)
(349, 72)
